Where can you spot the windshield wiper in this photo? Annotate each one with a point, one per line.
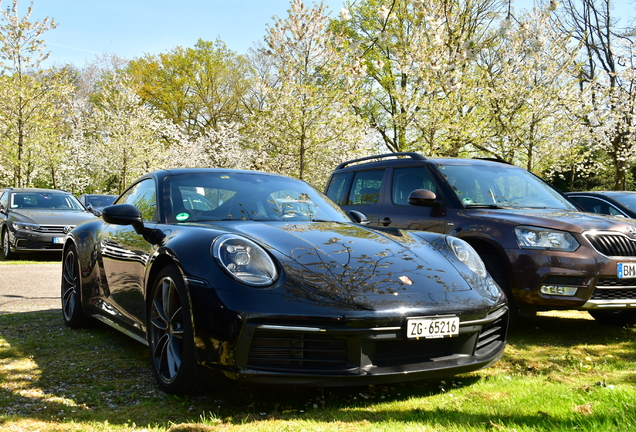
(489, 206)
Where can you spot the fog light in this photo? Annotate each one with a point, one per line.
(558, 290)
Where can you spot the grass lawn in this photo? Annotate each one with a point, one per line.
(561, 371)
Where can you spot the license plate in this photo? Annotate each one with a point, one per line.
(626, 270)
(433, 327)
(59, 240)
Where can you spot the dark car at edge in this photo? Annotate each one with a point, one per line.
(243, 276)
(613, 203)
(542, 251)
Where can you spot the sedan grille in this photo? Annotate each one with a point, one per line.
(51, 229)
(615, 245)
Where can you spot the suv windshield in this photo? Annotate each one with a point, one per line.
(501, 186)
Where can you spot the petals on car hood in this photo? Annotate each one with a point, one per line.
(356, 267)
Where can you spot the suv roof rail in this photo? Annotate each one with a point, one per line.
(411, 155)
(494, 160)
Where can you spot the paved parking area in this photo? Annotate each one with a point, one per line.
(29, 287)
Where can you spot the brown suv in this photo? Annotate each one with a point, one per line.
(543, 252)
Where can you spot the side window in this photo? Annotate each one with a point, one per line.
(615, 212)
(591, 205)
(336, 189)
(4, 200)
(366, 187)
(143, 195)
(406, 180)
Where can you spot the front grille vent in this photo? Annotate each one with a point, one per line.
(308, 351)
(614, 294)
(614, 245)
(492, 335)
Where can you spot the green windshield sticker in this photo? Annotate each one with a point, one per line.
(182, 216)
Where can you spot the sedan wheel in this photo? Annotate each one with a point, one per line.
(6, 246)
(71, 296)
(170, 335)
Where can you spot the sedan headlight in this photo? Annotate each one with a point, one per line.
(542, 238)
(25, 226)
(466, 254)
(244, 260)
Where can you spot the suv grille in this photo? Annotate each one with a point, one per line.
(615, 289)
(613, 244)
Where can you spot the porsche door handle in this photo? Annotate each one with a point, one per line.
(386, 221)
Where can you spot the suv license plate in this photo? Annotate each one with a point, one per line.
(434, 327)
(59, 240)
(626, 270)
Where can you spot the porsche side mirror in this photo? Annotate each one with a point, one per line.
(124, 214)
(424, 198)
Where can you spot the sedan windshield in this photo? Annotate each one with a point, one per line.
(44, 201)
(502, 186)
(217, 196)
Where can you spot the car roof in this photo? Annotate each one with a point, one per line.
(602, 193)
(179, 171)
(410, 158)
(37, 190)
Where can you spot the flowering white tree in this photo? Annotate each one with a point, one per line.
(127, 138)
(608, 61)
(531, 100)
(217, 148)
(306, 125)
(31, 100)
(418, 58)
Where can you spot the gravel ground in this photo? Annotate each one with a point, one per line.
(29, 287)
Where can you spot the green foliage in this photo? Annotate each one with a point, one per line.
(197, 88)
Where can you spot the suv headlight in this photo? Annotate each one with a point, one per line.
(244, 260)
(466, 254)
(25, 226)
(547, 239)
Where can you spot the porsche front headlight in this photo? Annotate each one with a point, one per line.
(548, 239)
(466, 254)
(244, 260)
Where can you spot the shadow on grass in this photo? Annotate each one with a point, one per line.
(50, 373)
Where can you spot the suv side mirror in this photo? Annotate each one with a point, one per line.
(358, 217)
(424, 198)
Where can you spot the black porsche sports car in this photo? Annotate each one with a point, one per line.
(257, 277)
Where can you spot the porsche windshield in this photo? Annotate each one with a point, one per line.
(503, 186)
(218, 196)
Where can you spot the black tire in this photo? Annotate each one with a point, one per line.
(614, 317)
(6, 246)
(171, 335)
(71, 290)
